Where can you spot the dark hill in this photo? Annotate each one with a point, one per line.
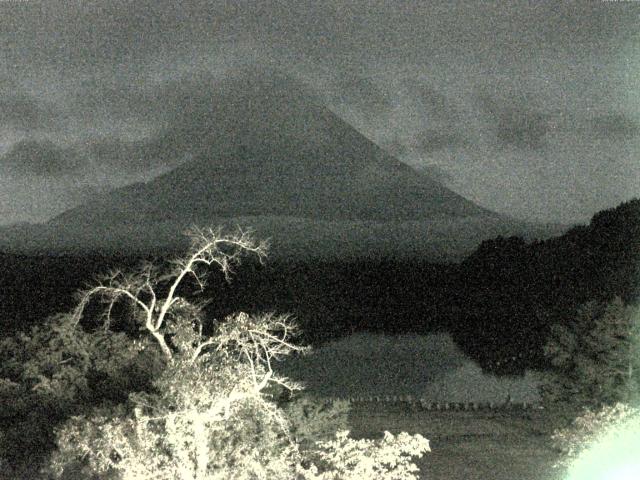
(509, 292)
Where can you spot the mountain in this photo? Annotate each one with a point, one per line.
(280, 153)
(267, 152)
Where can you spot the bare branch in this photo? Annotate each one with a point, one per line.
(202, 345)
(208, 248)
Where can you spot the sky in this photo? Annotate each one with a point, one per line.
(528, 108)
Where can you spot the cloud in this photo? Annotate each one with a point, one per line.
(433, 140)
(204, 113)
(84, 34)
(616, 126)
(40, 158)
(434, 103)
(20, 111)
(362, 93)
(130, 85)
(515, 123)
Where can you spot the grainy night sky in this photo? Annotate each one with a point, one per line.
(530, 109)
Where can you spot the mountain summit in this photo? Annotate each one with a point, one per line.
(267, 147)
(264, 152)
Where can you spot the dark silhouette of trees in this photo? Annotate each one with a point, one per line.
(595, 357)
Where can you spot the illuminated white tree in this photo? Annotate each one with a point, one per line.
(208, 379)
(141, 289)
(212, 411)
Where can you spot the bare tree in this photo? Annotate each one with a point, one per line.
(141, 289)
(210, 413)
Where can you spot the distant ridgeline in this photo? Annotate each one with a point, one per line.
(497, 304)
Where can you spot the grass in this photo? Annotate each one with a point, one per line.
(424, 366)
(469, 445)
(466, 445)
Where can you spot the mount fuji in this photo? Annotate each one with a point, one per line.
(266, 153)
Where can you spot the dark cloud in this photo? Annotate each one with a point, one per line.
(97, 97)
(39, 158)
(19, 110)
(615, 126)
(433, 102)
(516, 123)
(199, 112)
(434, 140)
(362, 93)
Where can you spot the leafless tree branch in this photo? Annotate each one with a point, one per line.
(141, 288)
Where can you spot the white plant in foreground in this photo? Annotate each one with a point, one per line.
(344, 458)
(591, 428)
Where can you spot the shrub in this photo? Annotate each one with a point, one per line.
(313, 419)
(55, 370)
(343, 458)
(588, 427)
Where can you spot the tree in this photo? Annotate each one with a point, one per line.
(212, 411)
(158, 314)
(595, 358)
(56, 370)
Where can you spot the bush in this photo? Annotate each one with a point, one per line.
(55, 370)
(313, 419)
(572, 441)
(595, 358)
(343, 458)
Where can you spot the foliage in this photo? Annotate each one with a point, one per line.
(595, 357)
(186, 430)
(343, 458)
(588, 427)
(56, 370)
(313, 419)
